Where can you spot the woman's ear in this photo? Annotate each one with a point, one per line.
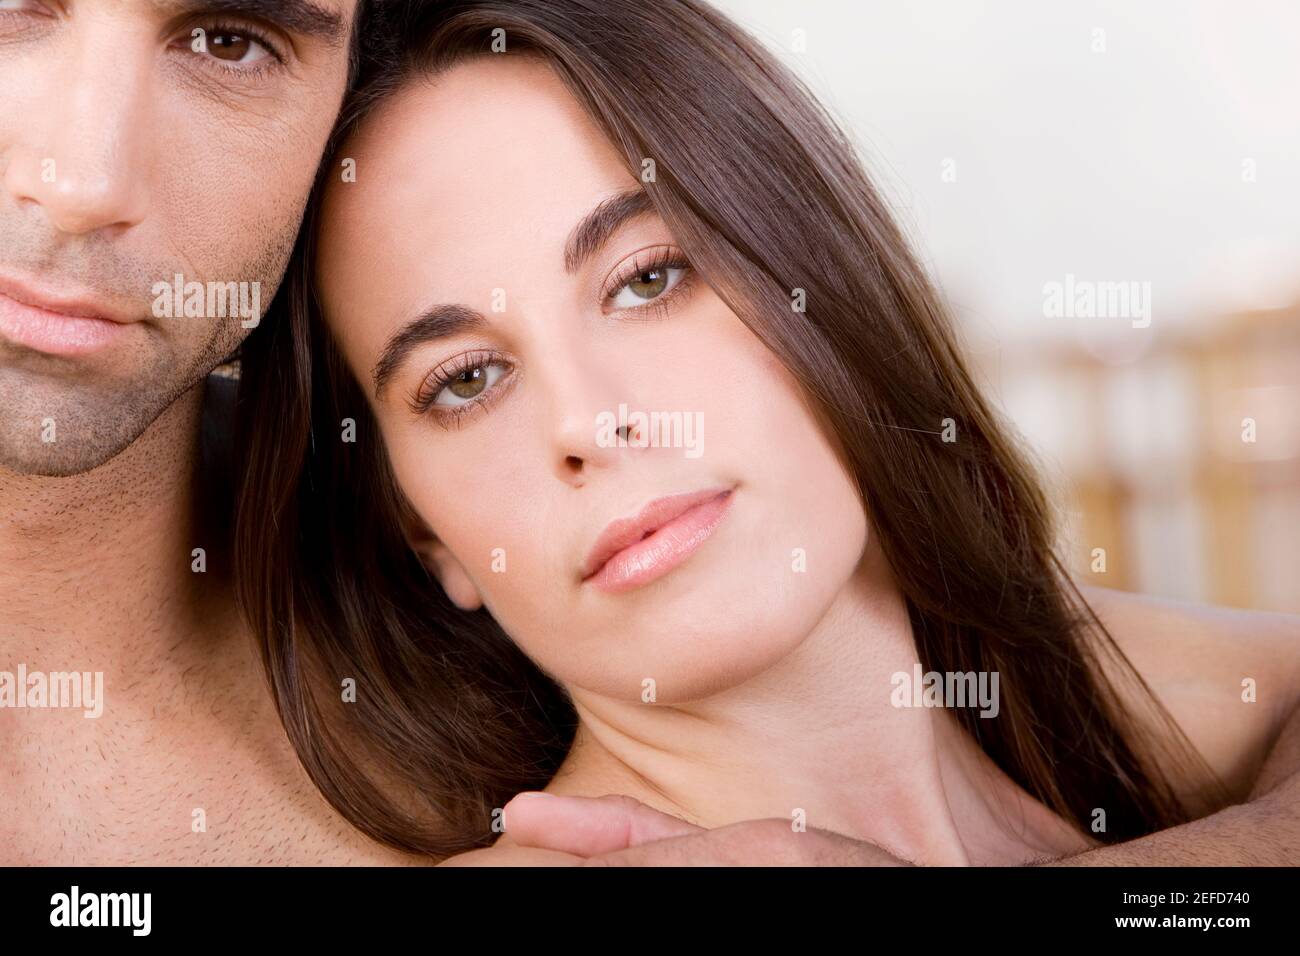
(444, 565)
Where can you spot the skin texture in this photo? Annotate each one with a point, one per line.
(164, 163)
(736, 643)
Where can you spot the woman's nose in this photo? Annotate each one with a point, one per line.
(587, 400)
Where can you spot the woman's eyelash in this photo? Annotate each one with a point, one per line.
(446, 373)
(424, 401)
(646, 261)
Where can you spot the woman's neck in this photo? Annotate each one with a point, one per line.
(817, 739)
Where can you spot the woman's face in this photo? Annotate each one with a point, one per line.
(506, 326)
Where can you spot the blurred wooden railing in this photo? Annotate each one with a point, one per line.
(1182, 465)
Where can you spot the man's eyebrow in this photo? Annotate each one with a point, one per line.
(306, 17)
(601, 223)
(432, 324)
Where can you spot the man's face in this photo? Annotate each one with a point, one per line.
(142, 140)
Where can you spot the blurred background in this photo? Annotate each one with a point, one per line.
(1108, 194)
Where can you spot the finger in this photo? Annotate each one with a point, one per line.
(752, 843)
(695, 849)
(587, 825)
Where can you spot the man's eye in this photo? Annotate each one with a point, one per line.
(235, 48)
(25, 6)
(230, 46)
(646, 286)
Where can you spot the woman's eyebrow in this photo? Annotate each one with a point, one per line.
(305, 17)
(438, 322)
(602, 222)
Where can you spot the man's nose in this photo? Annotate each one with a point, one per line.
(81, 151)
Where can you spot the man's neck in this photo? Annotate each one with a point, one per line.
(93, 565)
(818, 733)
(97, 574)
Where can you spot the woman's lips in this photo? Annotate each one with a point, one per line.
(24, 321)
(632, 552)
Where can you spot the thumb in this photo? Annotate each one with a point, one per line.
(587, 826)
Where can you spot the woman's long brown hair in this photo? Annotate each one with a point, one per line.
(766, 196)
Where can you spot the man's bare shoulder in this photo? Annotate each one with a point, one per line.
(1229, 677)
(335, 843)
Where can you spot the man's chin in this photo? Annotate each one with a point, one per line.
(62, 439)
(66, 461)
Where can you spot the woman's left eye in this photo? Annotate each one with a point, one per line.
(646, 286)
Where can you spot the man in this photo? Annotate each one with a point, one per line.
(155, 157)
(142, 141)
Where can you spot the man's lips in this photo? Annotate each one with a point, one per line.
(636, 550)
(57, 323)
(77, 304)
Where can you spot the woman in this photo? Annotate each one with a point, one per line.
(475, 570)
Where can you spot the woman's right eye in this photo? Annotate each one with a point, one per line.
(468, 384)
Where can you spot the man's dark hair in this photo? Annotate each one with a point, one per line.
(363, 30)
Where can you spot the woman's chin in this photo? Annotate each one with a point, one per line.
(679, 657)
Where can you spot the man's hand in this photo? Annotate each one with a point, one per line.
(618, 830)
(1262, 832)
(622, 831)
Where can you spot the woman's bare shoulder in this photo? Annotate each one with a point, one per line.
(1184, 640)
(1229, 677)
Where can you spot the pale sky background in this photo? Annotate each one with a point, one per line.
(1114, 166)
